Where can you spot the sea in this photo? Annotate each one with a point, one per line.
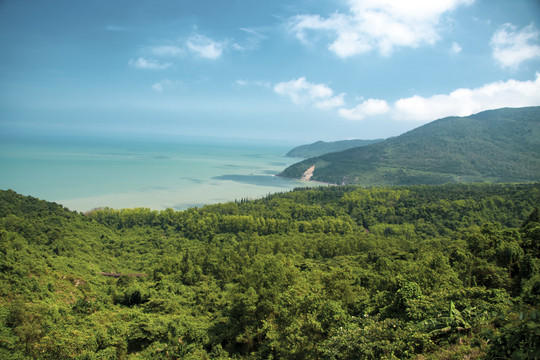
(85, 173)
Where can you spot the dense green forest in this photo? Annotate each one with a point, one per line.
(493, 146)
(322, 147)
(412, 272)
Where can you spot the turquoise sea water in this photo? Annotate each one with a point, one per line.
(83, 174)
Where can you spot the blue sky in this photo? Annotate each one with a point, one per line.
(295, 71)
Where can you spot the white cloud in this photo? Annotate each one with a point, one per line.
(379, 24)
(302, 92)
(370, 107)
(331, 102)
(142, 63)
(511, 47)
(460, 102)
(205, 47)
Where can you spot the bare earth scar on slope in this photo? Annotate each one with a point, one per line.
(306, 176)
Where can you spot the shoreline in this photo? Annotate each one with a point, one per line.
(208, 193)
(141, 174)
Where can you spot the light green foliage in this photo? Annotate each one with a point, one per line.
(330, 273)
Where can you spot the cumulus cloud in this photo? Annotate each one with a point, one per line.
(512, 46)
(302, 92)
(205, 47)
(369, 107)
(378, 24)
(142, 63)
(331, 102)
(460, 102)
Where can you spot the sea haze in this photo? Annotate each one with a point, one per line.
(87, 173)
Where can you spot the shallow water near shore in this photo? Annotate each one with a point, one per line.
(83, 174)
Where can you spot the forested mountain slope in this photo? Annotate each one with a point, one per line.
(493, 146)
(419, 272)
(321, 147)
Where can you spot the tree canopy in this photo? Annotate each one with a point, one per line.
(411, 272)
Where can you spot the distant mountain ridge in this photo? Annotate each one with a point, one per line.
(500, 145)
(321, 147)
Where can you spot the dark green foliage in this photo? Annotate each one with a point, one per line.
(519, 337)
(433, 272)
(493, 146)
(320, 147)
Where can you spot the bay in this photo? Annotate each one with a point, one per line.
(178, 173)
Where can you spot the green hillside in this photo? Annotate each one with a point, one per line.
(417, 272)
(321, 147)
(493, 146)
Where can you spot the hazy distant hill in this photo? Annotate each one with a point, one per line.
(495, 146)
(321, 147)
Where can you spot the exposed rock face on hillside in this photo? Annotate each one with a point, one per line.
(308, 173)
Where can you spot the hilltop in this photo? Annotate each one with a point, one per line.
(500, 145)
(322, 147)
